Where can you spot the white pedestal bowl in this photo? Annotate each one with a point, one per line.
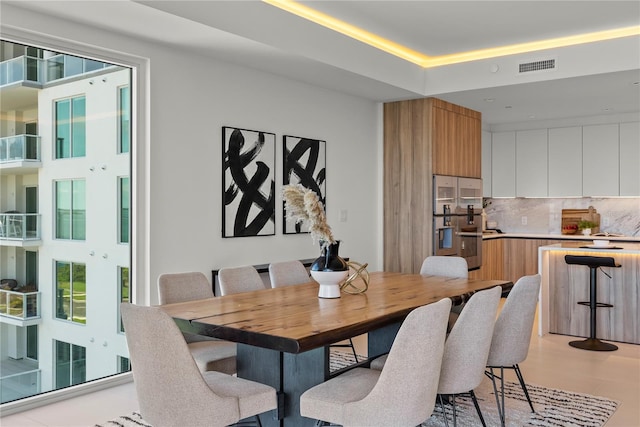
(330, 282)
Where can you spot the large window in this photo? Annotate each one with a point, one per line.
(81, 118)
(71, 364)
(125, 119)
(71, 292)
(70, 128)
(123, 217)
(71, 209)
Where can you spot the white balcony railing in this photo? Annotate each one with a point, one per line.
(21, 385)
(20, 148)
(19, 226)
(20, 305)
(42, 71)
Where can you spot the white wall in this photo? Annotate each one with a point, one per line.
(190, 99)
(186, 175)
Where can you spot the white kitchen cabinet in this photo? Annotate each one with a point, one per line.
(503, 164)
(565, 162)
(531, 163)
(629, 159)
(601, 160)
(486, 164)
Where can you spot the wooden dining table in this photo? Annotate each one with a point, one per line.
(283, 333)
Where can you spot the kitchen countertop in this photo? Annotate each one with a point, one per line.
(556, 236)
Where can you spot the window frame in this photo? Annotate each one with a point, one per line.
(73, 122)
(121, 114)
(120, 213)
(70, 315)
(72, 349)
(71, 210)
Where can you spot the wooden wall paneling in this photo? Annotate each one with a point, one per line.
(407, 185)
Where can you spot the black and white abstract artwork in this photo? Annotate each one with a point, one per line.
(248, 183)
(304, 163)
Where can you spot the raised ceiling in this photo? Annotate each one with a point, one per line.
(593, 79)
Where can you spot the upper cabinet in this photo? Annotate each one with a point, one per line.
(456, 133)
(630, 159)
(577, 161)
(486, 164)
(503, 164)
(565, 162)
(531, 163)
(600, 160)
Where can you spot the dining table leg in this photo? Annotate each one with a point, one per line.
(291, 374)
(379, 341)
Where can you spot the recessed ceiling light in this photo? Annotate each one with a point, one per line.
(489, 99)
(532, 116)
(508, 106)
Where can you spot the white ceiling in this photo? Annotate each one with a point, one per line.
(258, 35)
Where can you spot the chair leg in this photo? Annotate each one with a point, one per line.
(523, 385)
(453, 409)
(495, 392)
(444, 413)
(475, 403)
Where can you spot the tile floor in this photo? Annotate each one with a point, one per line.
(551, 362)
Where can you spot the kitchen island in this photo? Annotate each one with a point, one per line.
(564, 285)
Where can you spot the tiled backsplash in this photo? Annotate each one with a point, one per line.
(543, 216)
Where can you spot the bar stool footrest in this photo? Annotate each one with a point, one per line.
(598, 304)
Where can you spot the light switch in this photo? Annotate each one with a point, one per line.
(343, 215)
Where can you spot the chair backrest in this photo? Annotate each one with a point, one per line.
(180, 287)
(287, 273)
(170, 388)
(234, 280)
(512, 332)
(450, 266)
(467, 346)
(405, 393)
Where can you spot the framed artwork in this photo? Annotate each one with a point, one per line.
(304, 162)
(248, 184)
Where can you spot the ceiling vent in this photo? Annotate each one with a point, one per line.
(546, 64)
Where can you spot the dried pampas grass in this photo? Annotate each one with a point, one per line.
(303, 205)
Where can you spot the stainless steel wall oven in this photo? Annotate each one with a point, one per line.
(457, 218)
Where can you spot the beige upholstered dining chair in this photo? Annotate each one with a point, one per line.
(234, 280)
(512, 335)
(171, 390)
(288, 273)
(210, 354)
(449, 266)
(403, 393)
(466, 349)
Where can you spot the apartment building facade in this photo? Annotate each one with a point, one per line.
(64, 219)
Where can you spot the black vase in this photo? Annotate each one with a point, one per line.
(329, 260)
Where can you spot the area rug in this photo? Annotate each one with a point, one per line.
(553, 407)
